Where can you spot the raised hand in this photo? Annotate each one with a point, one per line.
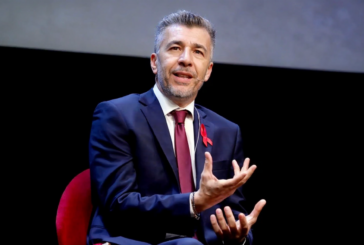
(213, 190)
(232, 230)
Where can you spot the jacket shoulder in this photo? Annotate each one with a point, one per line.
(122, 101)
(216, 118)
(131, 101)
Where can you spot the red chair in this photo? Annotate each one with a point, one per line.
(74, 211)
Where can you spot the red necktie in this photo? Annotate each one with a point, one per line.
(182, 152)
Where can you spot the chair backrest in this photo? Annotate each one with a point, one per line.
(74, 211)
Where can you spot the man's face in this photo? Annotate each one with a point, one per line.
(183, 62)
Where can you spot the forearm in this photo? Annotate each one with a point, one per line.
(118, 191)
(154, 206)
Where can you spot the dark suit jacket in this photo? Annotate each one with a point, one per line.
(134, 175)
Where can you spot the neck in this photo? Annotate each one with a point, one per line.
(181, 102)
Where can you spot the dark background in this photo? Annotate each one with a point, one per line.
(302, 128)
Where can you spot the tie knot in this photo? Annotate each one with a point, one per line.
(179, 116)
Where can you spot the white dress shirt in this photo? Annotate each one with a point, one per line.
(167, 107)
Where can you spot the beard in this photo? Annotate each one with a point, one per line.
(176, 92)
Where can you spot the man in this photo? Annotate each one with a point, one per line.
(164, 170)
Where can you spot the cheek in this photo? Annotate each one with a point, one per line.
(207, 74)
(198, 85)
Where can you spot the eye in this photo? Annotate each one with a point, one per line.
(174, 48)
(199, 52)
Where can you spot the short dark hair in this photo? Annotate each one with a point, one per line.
(183, 17)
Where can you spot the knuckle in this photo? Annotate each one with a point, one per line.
(225, 230)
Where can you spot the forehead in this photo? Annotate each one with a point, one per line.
(186, 35)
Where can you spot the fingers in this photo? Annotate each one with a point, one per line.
(244, 225)
(236, 167)
(235, 182)
(219, 225)
(245, 168)
(216, 227)
(229, 229)
(246, 164)
(222, 223)
(250, 172)
(231, 221)
(245, 173)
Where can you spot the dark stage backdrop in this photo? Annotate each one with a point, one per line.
(300, 127)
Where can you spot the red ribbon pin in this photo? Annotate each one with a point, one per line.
(204, 135)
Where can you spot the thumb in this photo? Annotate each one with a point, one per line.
(257, 209)
(208, 162)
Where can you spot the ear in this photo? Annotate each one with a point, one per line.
(153, 63)
(208, 72)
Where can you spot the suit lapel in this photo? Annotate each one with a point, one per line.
(199, 119)
(156, 119)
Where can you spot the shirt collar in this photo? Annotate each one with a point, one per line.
(168, 106)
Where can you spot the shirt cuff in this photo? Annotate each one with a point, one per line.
(191, 208)
(193, 212)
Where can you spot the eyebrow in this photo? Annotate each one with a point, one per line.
(196, 45)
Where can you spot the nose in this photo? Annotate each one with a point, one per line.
(185, 59)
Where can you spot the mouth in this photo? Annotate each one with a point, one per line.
(183, 77)
(183, 74)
